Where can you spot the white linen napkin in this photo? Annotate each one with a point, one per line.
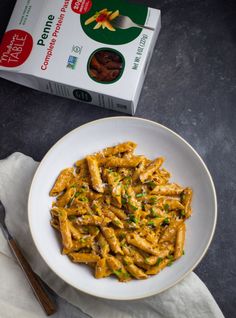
(190, 298)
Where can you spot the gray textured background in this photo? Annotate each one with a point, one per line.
(190, 88)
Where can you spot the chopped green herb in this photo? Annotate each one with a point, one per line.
(84, 199)
(72, 217)
(166, 207)
(154, 214)
(160, 259)
(82, 240)
(132, 218)
(77, 194)
(70, 202)
(151, 184)
(171, 258)
(73, 186)
(109, 170)
(123, 201)
(133, 207)
(166, 221)
(153, 200)
(139, 195)
(121, 236)
(151, 223)
(126, 275)
(182, 197)
(116, 222)
(182, 213)
(183, 252)
(118, 272)
(128, 180)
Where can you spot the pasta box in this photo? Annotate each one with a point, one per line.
(95, 51)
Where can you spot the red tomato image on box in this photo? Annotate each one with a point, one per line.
(15, 48)
(81, 6)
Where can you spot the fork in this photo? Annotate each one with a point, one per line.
(32, 278)
(124, 22)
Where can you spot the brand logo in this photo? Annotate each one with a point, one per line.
(15, 48)
(81, 6)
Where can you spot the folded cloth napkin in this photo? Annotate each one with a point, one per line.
(190, 298)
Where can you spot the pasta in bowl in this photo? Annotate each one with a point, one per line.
(119, 213)
(152, 139)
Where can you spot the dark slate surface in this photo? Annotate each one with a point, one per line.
(190, 88)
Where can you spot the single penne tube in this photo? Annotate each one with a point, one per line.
(83, 242)
(180, 238)
(74, 232)
(169, 235)
(133, 253)
(118, 268)
(122, 162)
(103, 10)
(79, 208)
(55, 223)
(65, 230)
(136, 240)
(101, 269)
(186, 201)
(114, 15)
(93, 230)
(112, 240)
(104, 246)
(108, 25)
(62, 181)
(90, 20)
(98, 25)
(95, 174)
(82, 169)
(133, 269)
(172, 204)
(84, 257)
(128, 146)
(157, 268)
(133, 205)
(151, 260)
(66, 198)
(118, 212)
(168, 189)
(114, 219)
(113, 180)
(92, 220)
(150, 169)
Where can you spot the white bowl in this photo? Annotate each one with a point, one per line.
(153, 140)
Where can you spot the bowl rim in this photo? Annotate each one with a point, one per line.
(94, 122)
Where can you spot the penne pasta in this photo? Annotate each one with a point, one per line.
(62, 182)
(151, 168)
(84, 257)
(169, 189)
(133, 269)
(64, 229)
(118, 212)
(180, 238)
(112, 240)
(95, 174)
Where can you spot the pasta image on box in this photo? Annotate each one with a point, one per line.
(95, 51)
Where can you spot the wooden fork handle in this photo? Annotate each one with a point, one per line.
(33, 279)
